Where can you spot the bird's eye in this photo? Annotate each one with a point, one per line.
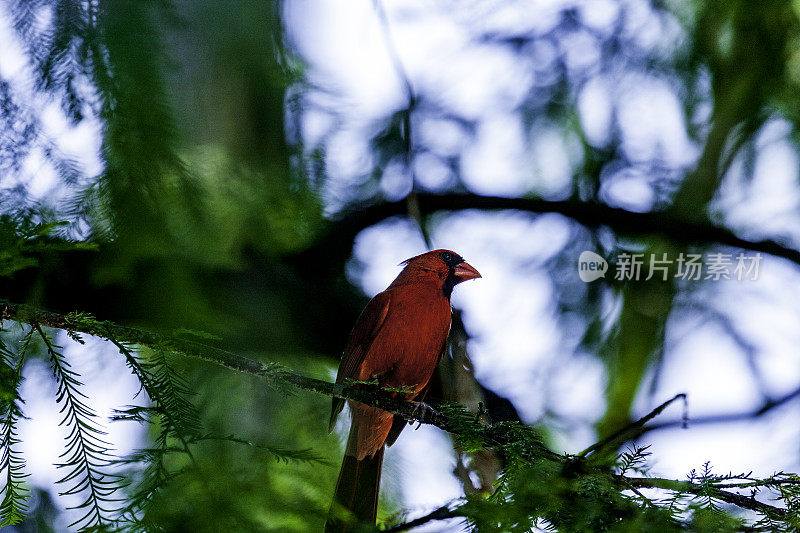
(446, 256)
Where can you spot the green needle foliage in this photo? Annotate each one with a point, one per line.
(171, 412)
(14, 505)
(86, 457)
(117, 493)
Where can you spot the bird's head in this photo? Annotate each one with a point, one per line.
(445, 265)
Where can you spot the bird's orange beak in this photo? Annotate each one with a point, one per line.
(464, 271)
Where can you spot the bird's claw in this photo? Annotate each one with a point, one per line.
(421, 411)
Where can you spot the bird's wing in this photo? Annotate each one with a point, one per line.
(364, 332)
(398, 423)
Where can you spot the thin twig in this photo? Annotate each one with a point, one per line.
(766, 407)
(631, 430)
(442, 513)
(397, 63)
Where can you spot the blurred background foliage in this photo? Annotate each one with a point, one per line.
(214, 198)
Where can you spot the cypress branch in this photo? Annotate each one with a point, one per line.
(514, 439)
(710, 489)
(14, 505)
(178, 419)
(87, 455)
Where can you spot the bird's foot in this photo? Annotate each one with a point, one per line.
(421, 412)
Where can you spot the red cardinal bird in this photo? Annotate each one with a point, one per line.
(398, 340)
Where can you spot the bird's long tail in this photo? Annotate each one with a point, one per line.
(356, 490)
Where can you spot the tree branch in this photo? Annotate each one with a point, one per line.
(493, 435)
(589, 214)
(740, 500)
(633, 429)
(769, 405)
(442, 513)
(635, 483)
(497, 435)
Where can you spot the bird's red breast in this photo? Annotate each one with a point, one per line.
(398, 340)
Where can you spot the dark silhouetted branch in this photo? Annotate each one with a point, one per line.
(766, 407)
(588, 214)
(442, 513)
(631, 431)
